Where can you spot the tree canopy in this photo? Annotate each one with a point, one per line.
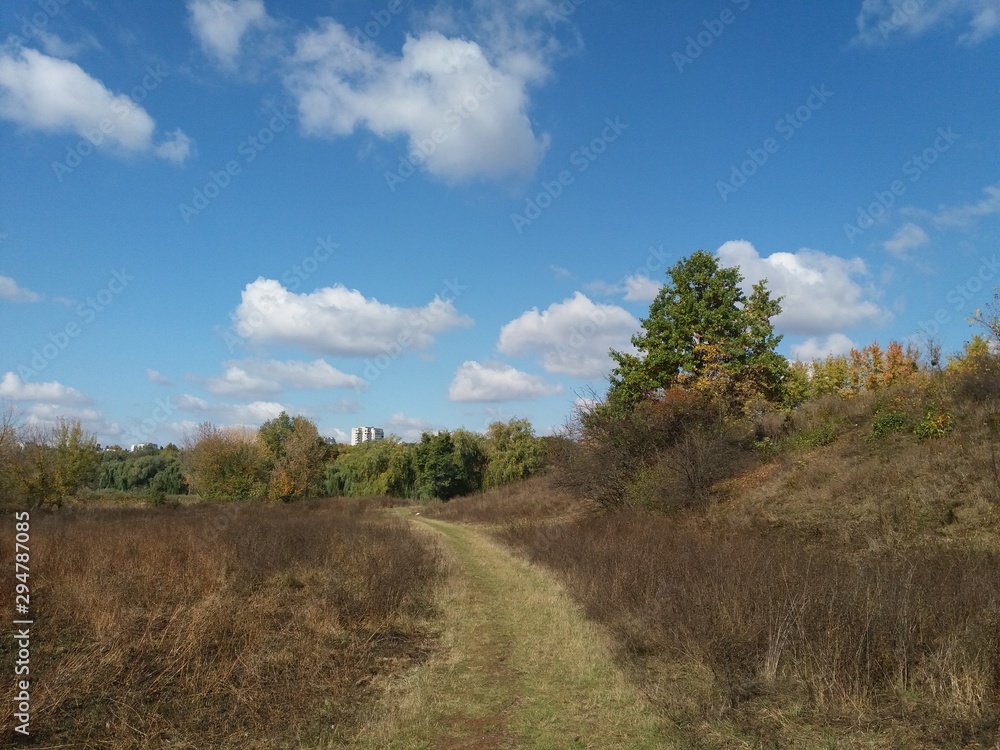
(704, 333)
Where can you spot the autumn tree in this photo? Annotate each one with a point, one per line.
(298, 467)
(75, 456)
(273, 434)
(226, 464)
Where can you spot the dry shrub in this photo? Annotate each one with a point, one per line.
(665, 453)
(535, 499)
(911, 638)
(216, 626)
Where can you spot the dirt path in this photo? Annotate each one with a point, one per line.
(519, 667)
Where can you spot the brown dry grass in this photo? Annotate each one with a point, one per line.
(533, 500)
(865, 492)
(217, 626)
(782, 641)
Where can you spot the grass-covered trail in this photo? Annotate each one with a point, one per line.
(519, 667)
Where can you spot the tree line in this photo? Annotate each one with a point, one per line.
(285, 459)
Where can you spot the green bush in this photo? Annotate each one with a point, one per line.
(887, 423)
(818, 436)
(935, 424)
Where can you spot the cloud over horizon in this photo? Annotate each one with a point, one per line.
(823, 293)
(255, 378)
(336, 320)
(495, 381)
(572, 337)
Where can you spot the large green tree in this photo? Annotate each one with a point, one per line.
(300, 460)
(440, 473)
(704, 333)
(513, 451)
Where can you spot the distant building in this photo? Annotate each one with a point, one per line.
(143, 446)
(366, 435)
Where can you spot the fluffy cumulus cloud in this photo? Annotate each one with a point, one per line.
(822, 293)
(221, 25)
(15, 389)
(39, 92)
(255, 378)
(908, 237)
(495, 381)
(339, 321)
(881, 20)
(252, 415)
(572, 337)
(41, 406)
(812, 348)
(46, 416)
(635, 288)
(11, 291)
(640, 288)
(461, 100)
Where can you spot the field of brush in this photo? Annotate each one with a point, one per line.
(216, 625)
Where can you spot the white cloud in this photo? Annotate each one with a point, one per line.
(963, 216)
(158, 378)
(408, 428)
(879, 20)
(254, 378)
(221, 25)
(812, 348)
(572, 337)
(176, 147)
(908, 237)
(822, 293)
(641, 288)
(57, 47)
(337, 434)
(464, 114)
(12, 292)
(635, 288)
(560, 272)
(45, 416)
(340, 321)
(602, 288)
(39, 92)
(12, 387)
(495, 381)
(238, 382)
(253, 414)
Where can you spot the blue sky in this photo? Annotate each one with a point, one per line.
(423, 215)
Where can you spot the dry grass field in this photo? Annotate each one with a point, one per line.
(217, 626)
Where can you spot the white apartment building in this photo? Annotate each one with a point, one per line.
(366, 435)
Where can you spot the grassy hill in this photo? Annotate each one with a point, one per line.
(836, 585)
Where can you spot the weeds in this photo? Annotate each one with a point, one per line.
(905, 637)
(217, 626)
